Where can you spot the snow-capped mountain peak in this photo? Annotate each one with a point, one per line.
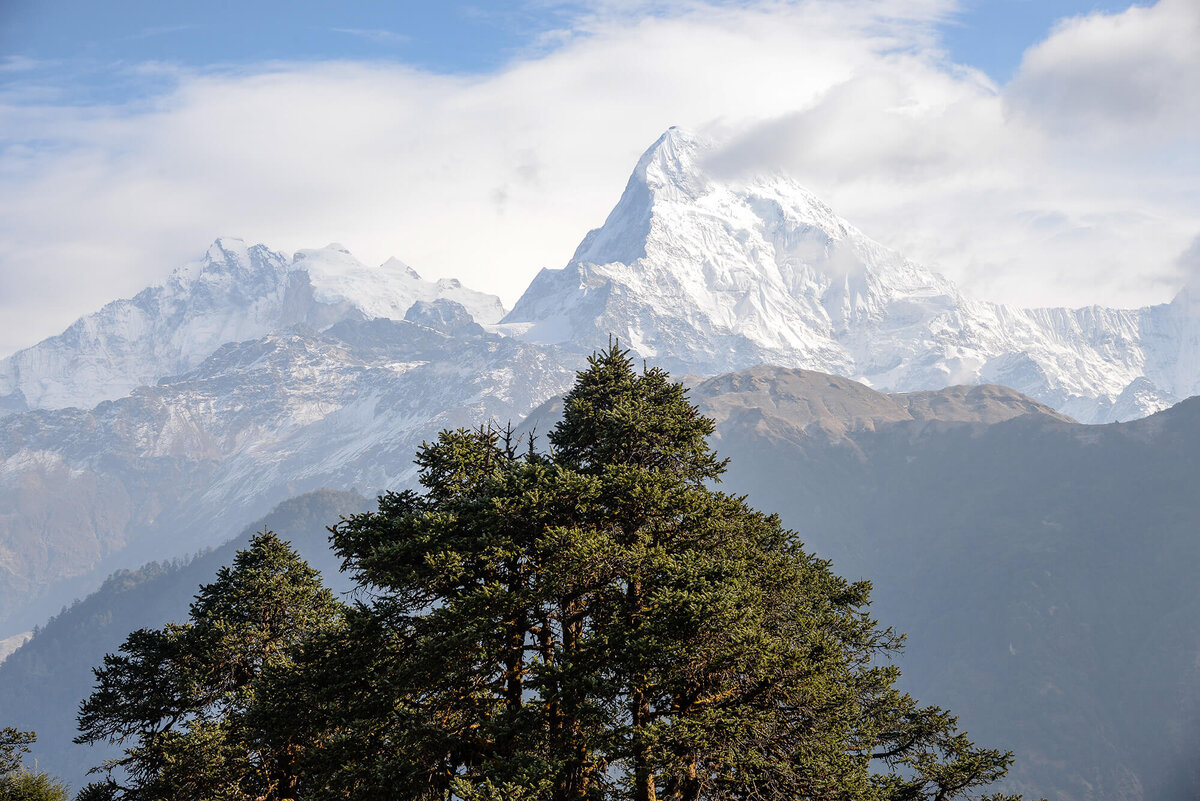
(707, 273)
(395, 264)
(225, 258)
(671, 165)
(233, 293)
(698, 270)
(753, 269)
(666, 172)
(388, 290)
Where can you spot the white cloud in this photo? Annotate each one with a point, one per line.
(490, 178)
(17, 64)
(1133, 76)
(1050, 190)
(1189, 262)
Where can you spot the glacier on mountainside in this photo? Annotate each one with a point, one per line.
(234, 293)
(705, 275)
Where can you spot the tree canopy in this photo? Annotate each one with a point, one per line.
(180, 697)
(594, 621)
(599, 621)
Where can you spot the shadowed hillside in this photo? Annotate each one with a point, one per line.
(1043, 570)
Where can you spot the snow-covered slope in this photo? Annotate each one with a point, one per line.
(179, 465)
(235, 293)
(388, 290)
(706, 275)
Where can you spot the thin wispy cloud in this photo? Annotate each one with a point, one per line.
(19, 64)
(377, 36)
(161, 30)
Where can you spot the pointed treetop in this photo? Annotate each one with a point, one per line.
(613, 416)
(265, 578)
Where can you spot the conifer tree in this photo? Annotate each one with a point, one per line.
(14, 744)
(180, 697)
(594, 622)
(599, 622)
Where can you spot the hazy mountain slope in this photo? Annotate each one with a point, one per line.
(42, 684)
(789, 405)
(234, 293)
(1044, 570)
(704, 273)
(808, 402)
(171, 467)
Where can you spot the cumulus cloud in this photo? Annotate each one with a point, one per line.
(1133, 75)
(491, 177)
(1189, 262)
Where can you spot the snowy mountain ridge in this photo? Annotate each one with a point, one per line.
(707, 274)
(234, 293)
(702, 273)
(177, 465)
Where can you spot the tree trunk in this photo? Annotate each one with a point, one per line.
(643, 776)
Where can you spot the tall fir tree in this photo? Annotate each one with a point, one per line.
(596, 622)
(599, 622)
(180, 697)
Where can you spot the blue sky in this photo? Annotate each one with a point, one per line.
(89, 50)
(96, 44)
(992, 35)
(1037, 152)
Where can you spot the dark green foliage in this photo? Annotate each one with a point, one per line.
(98, 791)
(180, 697)
(596, 622)
(613, 416)
(600, 623)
